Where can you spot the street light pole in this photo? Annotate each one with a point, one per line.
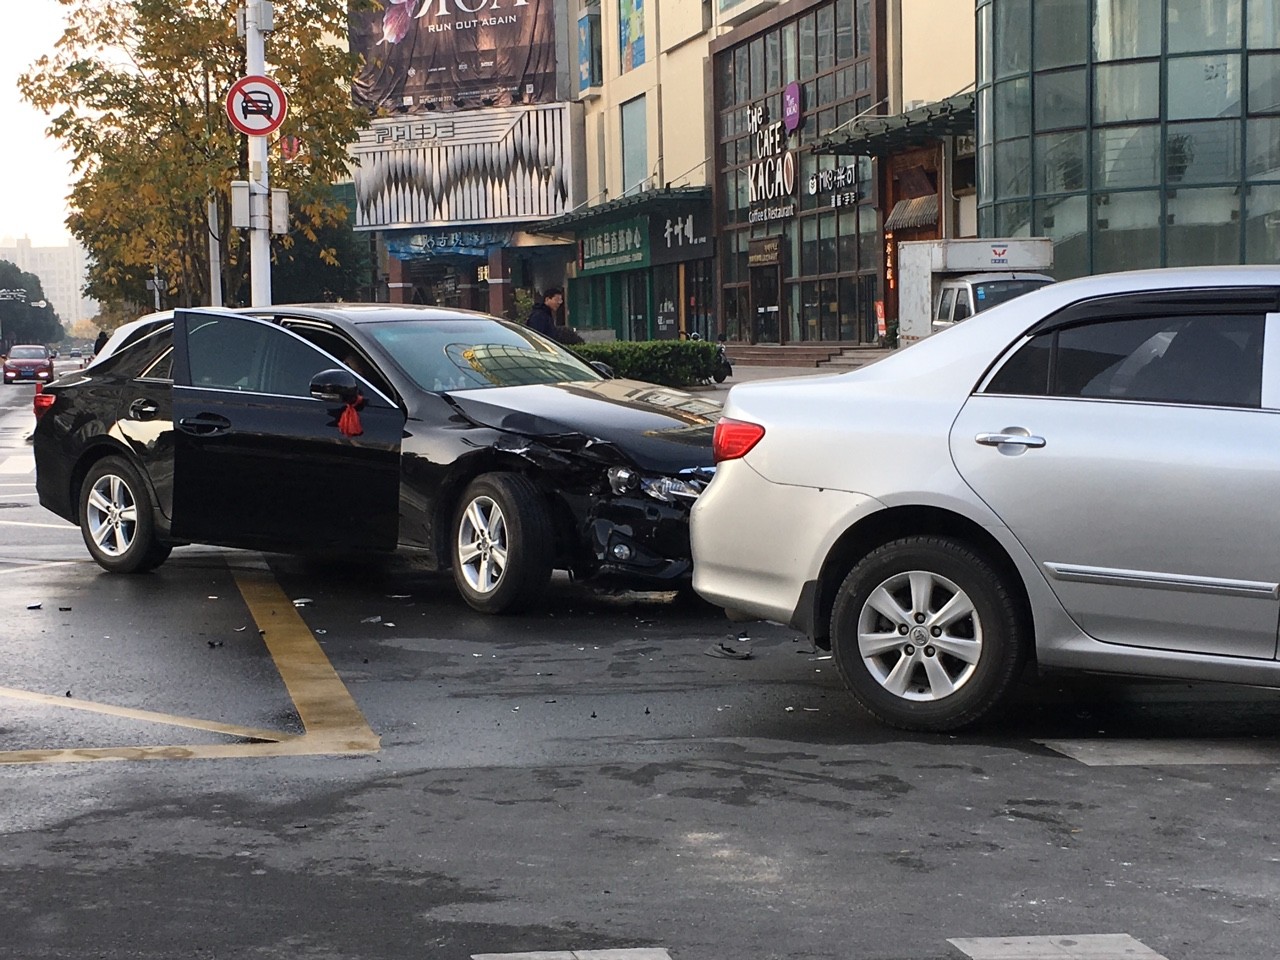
(259, 16)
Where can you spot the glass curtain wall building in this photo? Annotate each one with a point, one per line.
(1135, 133)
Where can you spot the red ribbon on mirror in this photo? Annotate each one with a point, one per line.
(349, 419)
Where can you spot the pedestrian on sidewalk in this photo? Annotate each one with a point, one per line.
(542, 317)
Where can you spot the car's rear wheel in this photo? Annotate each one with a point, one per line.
(927, 635)
(502, 543)
(116, 519)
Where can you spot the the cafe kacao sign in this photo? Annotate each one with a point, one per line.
(771, 176)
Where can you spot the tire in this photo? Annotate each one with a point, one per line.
(116, 518)
(909, 663)
(502, 544)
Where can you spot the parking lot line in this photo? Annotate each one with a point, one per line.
(332, 721)
(1154, 753)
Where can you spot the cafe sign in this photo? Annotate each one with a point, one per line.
(771, 176)
(840, 185)
(623, 245)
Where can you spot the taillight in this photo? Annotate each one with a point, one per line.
(42, 401)
(734, 438)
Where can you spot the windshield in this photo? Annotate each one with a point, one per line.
(27, 353)
(474, 354)
(986, 295)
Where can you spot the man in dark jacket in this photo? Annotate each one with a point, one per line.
(543, 315)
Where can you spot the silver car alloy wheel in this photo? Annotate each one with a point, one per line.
(482, 544)
(112, 515)
(919, 636)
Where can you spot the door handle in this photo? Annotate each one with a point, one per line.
(1017, 439)
(204, 425)
(143, 409)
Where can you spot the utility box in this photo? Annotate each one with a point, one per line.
(941, 282)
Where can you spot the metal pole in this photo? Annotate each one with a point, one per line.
(259, 185)
(215, 257)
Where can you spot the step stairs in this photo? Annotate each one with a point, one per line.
(835, 355)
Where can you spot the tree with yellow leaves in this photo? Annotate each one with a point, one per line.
(135, 90)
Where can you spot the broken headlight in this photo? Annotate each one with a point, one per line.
(624, 481)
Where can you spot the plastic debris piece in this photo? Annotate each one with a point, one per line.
(815, 659)
(68, 693)
(388, 624)
(215, 643)
(399, 596)
(212, 597)
(302, 601)
(241, 629)
(515, 709)
(548, 701)
(321, 632)
(810, 709)
(65, 609)
(726, 652)
(34, 606)
(789, 709)
(371, 620)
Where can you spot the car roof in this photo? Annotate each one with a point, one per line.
(359, 313)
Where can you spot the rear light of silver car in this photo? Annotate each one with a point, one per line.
(734, 438)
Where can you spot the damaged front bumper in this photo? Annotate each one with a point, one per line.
(639, 539)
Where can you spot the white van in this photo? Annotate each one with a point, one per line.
(961, 297)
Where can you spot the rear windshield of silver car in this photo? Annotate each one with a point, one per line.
(475, 354)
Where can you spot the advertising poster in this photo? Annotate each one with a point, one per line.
(631, 33)
(454, 54)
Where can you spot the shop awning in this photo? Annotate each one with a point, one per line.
(879, 136)
(632, 205)
(916, 212)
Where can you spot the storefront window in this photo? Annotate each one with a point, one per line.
(868, 238)
(808, 46)
(864, 28)
(1264, 24)
(1013, 37)
(829, 310)
(1126, 231)
(1207, 152)
(1061, 164)
(790, 53)
(757, 68)
(1203, 25)
(1202, 227)
(809, 246)
(827, 259)
(1125, 92)
(848, 292)
(1125, 29)
(826, 37)
(848, 243)
(1126, 157)
(1204, 87)
(1264, 83)
(1062, 32)
(772, 60)
(1262, 224)
(1062, 100)
(1262, 154)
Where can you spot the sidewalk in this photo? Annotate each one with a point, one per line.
(743, 373)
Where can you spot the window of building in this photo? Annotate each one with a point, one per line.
(1264, 83)
(1125, 92)
(1206, 86)
(1123, 29)
(635, 145)
(1195, 25)
(1061, 32)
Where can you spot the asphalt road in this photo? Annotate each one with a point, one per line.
(194, 766)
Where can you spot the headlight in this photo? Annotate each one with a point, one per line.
(669, 489)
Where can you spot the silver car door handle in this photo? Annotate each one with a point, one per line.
(996, 439)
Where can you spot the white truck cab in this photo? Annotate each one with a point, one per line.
(961, 297)
(941, 282)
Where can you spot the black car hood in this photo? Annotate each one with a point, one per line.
(658, 429)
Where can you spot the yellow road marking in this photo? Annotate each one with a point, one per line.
(332, 721)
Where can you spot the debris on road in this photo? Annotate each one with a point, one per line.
(34, 606)
(303, 601)
(726, 652)
(371, 620)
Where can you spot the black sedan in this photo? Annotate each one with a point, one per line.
(369, 428)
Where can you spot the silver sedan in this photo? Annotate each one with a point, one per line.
(1084, 476)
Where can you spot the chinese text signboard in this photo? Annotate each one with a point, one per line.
(681, 235)
(618, 246)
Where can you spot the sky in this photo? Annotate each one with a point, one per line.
(34, 173)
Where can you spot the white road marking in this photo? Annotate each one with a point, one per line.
(641, 953)
(1106, 946)
(20, 464)
(1155, 753)
(26, 523)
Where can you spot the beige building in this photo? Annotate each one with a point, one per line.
(62, 272)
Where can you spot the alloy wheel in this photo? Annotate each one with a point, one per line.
(483, 544)
(919, 636)
(112, 515)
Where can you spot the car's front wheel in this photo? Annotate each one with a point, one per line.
(502, 543)
(116, 518)
(927, 635)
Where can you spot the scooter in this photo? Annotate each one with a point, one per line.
(723, 367)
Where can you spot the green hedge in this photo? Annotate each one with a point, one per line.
(673, 363)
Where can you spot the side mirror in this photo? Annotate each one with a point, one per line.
(603, 369)
(335, 386)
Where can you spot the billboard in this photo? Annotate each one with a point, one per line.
(454, 54)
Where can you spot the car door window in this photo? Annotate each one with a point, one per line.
(234, 353)
(962, 305)
(1205, 359)
(944, 305)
